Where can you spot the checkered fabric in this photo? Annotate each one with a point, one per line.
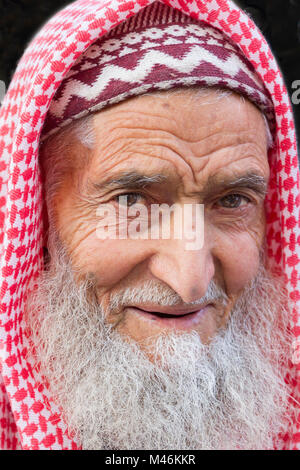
(28, 417)
(157, 49)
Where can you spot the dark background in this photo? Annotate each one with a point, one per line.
(279, 21)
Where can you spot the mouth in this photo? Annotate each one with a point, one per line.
(171, 317)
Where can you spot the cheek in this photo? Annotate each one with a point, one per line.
(108, 260)
(237, 247)
(238, 256)
(241, 266)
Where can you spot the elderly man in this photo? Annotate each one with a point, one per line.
(135, 341)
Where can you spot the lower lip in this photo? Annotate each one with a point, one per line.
(182, 322)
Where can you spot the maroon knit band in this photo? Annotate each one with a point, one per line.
(157, 49)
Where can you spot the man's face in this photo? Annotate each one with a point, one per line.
(200, 386)
(205, 150)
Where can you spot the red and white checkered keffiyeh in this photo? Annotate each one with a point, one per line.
(28, 417)
(157, 49)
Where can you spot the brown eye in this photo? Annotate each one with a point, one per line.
(233, 201)
(128, 199)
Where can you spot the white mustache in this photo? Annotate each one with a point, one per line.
(164, 296)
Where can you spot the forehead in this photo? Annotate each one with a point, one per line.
(185, 133)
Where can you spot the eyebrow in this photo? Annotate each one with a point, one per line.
(129, 180)
(249, 180)
(136, 180)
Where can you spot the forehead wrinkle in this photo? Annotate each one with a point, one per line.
(174, 143)
(212, 171)
(222, 140)
(223, 159)
(154, 151)
(132, 145)
(187, 167)
(170, 133)
(113, 132)
(144, 113)
(155, 174)
(185, 151)
(191, 173)
(174, 129)
(143, 137)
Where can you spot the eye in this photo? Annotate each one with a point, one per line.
(233, 201)
(129, 199)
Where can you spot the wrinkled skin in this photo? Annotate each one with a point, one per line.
(193, 141)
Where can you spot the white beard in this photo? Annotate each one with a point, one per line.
(227, 395)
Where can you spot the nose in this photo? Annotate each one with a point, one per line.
(187, 272)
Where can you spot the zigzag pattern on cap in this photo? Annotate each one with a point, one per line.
(158, 49)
